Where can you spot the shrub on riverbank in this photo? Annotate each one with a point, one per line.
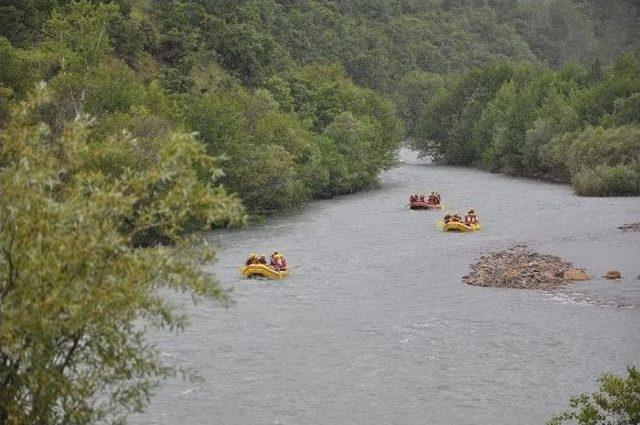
(603, 180)
(598, 161)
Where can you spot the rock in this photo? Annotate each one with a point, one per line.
(613, 274)
(575, 274)
(520, 268)
(630, 227)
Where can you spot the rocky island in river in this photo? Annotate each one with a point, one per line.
(519, 267)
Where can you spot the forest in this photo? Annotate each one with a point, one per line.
(305, 99)
(127, 125)
(574, 124)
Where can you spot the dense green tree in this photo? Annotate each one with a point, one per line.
(450, 116)
(73, 288)
(596, 103)
(529, 120)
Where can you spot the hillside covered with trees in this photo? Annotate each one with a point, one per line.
(304, 99)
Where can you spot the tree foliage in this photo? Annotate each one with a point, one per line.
(572, 124)
(73, 285)
(616, 403)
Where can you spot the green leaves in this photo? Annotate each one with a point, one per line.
(80, 37)
(528, 120)
(73, 285)
(616, 403)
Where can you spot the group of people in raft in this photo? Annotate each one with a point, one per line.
(470, 219)
(277, 261)
(432, 198)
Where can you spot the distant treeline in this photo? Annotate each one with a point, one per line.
(301, 99)
(576, 124)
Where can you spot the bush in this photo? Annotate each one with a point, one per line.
(553, 157)
(219, 120)
(598, 146)
(266, 178)
(604, 180)
(627, 110)
(113, 89)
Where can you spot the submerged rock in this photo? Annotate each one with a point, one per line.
(520, 268)
(630, 227)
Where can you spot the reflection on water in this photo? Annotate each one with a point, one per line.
(376, 327)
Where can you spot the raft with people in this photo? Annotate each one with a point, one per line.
(263, 270)
(422, 202)
(455, 223)
(453, 226)
(257, 266)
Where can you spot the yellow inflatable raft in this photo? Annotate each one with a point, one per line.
(263, 270)
(456, 226)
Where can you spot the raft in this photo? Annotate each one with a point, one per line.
(262, 270)
(424, 206)
(456, 226)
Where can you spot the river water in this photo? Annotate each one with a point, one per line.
(374, 326)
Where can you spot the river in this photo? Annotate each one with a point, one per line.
(374, 326)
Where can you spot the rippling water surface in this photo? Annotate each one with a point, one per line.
(376, 327)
